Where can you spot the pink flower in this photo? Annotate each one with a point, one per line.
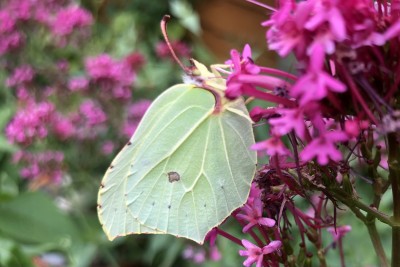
(287, 31)
(315, 84)
(7, 22)
(30, 123)
(273, 146)
(327, 11)
(256, 254)
(107, 147)
(339, 232)
(20, 75)
(92, 112)
(135, 60)
(113, 76)
(78, 84)
(324, 147)
(11, 41)
(45, 165)
(290, 119)
(180, 48)
(129, 128)
(241, 65)
(138, 109)
(69, 19)
(253, 215)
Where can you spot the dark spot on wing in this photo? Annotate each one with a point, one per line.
(173, 177)
(153, 203)
(205, 205)
(102, 185)
(169, 206)
(111, 166)
(129, 143)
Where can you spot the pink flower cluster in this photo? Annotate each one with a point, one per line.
(338, 45)
(54, 105)
(114, 77)
(181, 49)
(45, 165)
(30, 123)
(69, 19)
(134, 113)
(15, 15)
(89, 120)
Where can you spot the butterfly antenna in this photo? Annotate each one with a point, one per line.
(163, 25)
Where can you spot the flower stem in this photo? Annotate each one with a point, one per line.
(394, 176)
(230, 237)
(376, 242)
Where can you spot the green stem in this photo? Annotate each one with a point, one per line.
(394, 176)
(376, 242)
(352, 202)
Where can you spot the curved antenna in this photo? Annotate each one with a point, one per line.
(163, 25)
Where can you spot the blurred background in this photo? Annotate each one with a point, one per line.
(75, 79)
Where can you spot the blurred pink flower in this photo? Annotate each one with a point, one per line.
(180, 48)
(43, 165)
(78, 84)
(339, 232)
(92, 112)
(20, 75)
(30, 123)
(69, 19)
(63, 128)
(107, 147)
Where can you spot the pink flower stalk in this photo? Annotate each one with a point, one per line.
(253, 215)
(255, 254)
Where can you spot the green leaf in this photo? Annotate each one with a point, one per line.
(33, 218)
(184, 170)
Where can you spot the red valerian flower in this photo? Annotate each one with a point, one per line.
(256, 254)
(253, 215)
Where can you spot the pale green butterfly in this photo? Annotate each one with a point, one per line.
(185, 169)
